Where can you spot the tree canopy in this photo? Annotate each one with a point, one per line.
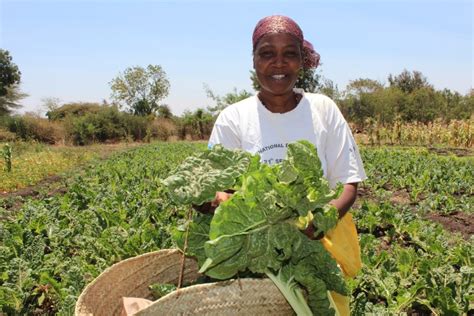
(10, 77)
(409, 81)
(226, 100)
(140, 89)
(9, 72)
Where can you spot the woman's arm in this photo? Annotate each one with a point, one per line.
(344, 202)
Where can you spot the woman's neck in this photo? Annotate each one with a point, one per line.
(279, 103)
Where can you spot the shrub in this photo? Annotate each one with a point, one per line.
(106, 125)
(6, 135)
(135, 126)
(32, 127)
(162, 128)
(195, 125)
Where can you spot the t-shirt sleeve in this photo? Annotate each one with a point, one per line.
(225, 132)
(344, 163)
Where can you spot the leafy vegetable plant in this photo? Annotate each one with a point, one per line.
(259, 228)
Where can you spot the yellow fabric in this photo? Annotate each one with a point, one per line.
(342, 243)
(342, 303)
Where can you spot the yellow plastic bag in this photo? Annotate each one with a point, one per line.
(342, 243)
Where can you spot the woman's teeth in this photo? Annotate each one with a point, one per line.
(278, 77)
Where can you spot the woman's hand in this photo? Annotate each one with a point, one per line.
(220, 197)
(210, 207)
(309, 232)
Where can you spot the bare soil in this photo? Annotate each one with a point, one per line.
(33, 190)
(458, 222)
(460, 152)
(400, 197)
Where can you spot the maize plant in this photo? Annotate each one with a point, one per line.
(7, 155)
(456, 133)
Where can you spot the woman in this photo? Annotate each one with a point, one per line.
(280, 114)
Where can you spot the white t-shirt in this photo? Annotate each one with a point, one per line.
(250, 126)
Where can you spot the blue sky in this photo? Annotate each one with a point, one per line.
(71, 49)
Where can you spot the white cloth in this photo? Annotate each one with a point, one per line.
(250, 126)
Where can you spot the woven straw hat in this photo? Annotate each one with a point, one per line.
(131, 278)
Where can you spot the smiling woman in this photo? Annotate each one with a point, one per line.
(280, 114)
(280, 53)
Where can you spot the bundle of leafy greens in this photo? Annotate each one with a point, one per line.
(259, 229)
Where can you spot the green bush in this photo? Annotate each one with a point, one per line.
(135, 126)
(106, 125)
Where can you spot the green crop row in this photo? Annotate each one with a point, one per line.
(436, 183)
(57, 245)
(410, 265)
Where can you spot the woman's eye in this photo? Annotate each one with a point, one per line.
(266, 54)
(291, 54)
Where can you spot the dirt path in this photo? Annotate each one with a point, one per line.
(457, 222)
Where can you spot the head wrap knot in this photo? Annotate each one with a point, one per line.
(283, 24)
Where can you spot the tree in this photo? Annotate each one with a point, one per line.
(140, 89)
(361, 101)
(74, 109)
(456, 106)
(362, 86)
(9, 73)
(422, 105)
(226, 100)
(330, 89)
(164, 111)
(51, 103)
(10, 77)
(409, 81)
(308, 80)
(10, 100)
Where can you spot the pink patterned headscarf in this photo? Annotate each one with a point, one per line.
(283, 24)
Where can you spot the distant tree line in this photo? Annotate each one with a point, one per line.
(407, 110)
(408, 97)
(137, 113)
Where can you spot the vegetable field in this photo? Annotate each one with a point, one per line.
(32, 162)
(414, 216)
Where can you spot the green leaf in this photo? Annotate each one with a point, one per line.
(198, 178)
(198, 234)
(324, 219)
(159, 290)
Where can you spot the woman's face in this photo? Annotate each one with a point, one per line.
(277, 61)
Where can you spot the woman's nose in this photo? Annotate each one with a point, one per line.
(280, 60)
